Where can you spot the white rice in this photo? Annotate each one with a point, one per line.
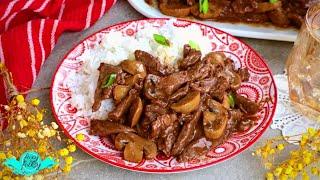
(114, 48)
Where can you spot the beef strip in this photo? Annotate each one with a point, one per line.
(161, 123)
(247, 106)
(105, 128)
(186, 134)
(104, 93)
(121, 108)
(168, 137)
(152, 63)
(205, 85)
(172, 82)
(220, 89)
(197, 148)
(180, 93)
(191, 57)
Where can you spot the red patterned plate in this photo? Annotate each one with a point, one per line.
(260, 86)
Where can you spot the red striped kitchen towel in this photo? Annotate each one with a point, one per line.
(29, 30)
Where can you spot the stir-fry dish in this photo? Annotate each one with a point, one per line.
(181, 111)
(282, 13)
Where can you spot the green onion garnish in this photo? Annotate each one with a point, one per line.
(204, 6)
(231, 100)
(110, 80)
(194, 45)
(273, 1)
(161, 39)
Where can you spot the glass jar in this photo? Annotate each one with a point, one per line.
(303, 65)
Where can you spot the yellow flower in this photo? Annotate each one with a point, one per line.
(305, 176)
(20, 98)
(280, 147)
(67, 169)
(307, 160)
(46, 132)
(40, 135)
(311, 132)
(314, 171)
(53, 132)
(31, 133)
(6, 178)
(38, 177)
(283, 177)
(288, 170)
(35, 102)
(269, 176)
(277, 171)
(80, 137)
(2, 156)
(272, 151)
(23, 123)
(69, 160)
(1, 64)
(42, 149)
(300, 166)
(268, 165)
(64, 152)
(39, 116)
(72, 148)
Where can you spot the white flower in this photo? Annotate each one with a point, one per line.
(54, 125)
(21, 135)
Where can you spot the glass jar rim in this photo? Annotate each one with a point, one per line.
(312, 17)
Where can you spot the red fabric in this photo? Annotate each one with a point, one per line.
(29, 30)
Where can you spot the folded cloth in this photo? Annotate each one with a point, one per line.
(29, 30)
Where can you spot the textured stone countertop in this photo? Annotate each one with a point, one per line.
(243, 166)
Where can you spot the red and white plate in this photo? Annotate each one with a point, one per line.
(260, 86)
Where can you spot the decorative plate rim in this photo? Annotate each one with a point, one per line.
(156, 171)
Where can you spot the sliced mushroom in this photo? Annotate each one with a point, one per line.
(135, 112)
(214, 124)
(267, 6)
(225, 102)
(120, 91)
(236, 82)
(130, 81)
(105, 128)
(179, 93)
(187, 104)
(137, 145)
(134, 67)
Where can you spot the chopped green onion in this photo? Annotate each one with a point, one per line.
(110, 80)
(231, 100)
(204, 6)
(273, 1)
(194, 45)
(161, 39)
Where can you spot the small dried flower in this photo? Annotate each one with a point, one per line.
(72, 148)
(80, 137)
(35, 102)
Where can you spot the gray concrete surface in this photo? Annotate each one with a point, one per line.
(243, 166)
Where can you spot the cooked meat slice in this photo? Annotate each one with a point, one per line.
(205, 85)
(152, 64)
(190, 58)
(180, 93)
(244, 74)
(150, 91)
(263, 7)
(117, 113)
(186, 134)
(105, 128)
(279, 18)
(168, 137)
(220, 88)
(247, 106)
(172, 82)
(175, 9)
(197, 148)
(162, 123)
(198, 71)
(103, 93)
(151, 112)
(191, 2)
(236, 115)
